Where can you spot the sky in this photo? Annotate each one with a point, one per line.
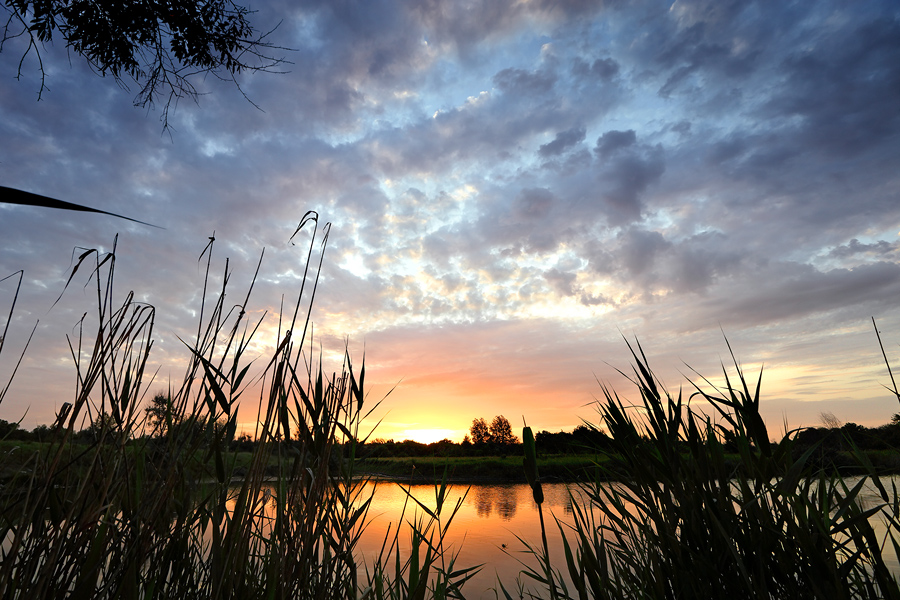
(515, 189)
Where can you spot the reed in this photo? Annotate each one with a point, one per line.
(681, 521)
(132, 515)
(173, 514)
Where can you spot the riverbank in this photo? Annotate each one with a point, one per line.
(481, 469)
(17, 457)
(553, 468)
(573, 468)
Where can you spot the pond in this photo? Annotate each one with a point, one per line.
(488, 529)
(483, 531)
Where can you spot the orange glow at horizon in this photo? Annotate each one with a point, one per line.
(427, 436)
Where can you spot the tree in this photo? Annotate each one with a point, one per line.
(7, 428)
(42, 433)
(587, 438)
(480, 432)
(501, 432)
(102, 426)
(161, 416)
(159, 44)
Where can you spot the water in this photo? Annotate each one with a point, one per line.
(484, 530)
(489, 529)
(491, 524)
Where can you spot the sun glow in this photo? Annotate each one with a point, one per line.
(427, 436)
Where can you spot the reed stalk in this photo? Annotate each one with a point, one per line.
(131, 514)
(673, 515)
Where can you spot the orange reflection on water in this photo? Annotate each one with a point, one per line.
(484, 531)
(490, 527)
(494, 520)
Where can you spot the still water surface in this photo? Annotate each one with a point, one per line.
(486, 528)
(483, 531)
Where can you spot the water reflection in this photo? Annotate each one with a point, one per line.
(567, 505)
(502, 498)
(489, 528)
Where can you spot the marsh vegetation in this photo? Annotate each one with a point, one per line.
(128, 515)
(704, 503)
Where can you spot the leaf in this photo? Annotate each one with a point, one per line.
(13, 196)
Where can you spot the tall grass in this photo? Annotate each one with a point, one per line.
(683, 521)
(131, 515)
(171, 515)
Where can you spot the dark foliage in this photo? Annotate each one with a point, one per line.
(159, 44)
(685, 521)
(584, 439)
(480, 432)
(10, 195)
(501, 432)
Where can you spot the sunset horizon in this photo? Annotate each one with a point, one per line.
(515, 191)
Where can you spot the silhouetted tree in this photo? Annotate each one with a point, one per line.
(552, 443)
(480, 432)
(443, 447)
(501, 432)
(243, 443)
(42, 433)
(160, 415)
(159, 44)
(101, 427)
(7, 428)
(589, 439)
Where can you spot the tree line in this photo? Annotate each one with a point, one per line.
(483, 439)
(494, 439)
(498, 432)
(163, 420)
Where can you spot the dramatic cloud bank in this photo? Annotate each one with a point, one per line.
(513, 187)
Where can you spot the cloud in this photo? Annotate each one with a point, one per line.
(524, 83)
(626, 177)
(854, 248)
(534, 204)
(640, 249)
(562, 282)
(464, 27)
(602, 68)
(785, 291)
(523, 179)
(562, 142)
(612, 141)
(843, 88)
